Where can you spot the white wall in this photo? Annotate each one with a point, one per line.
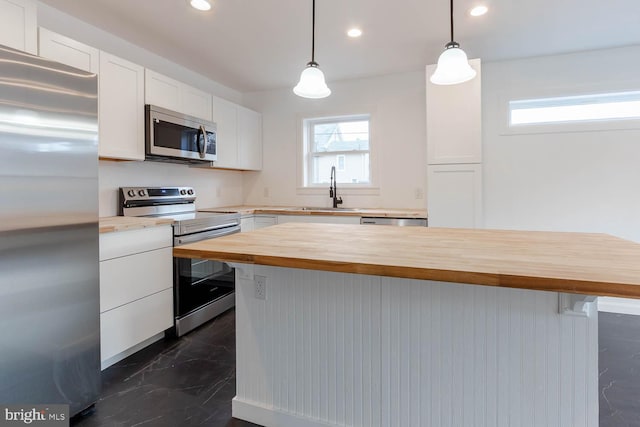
(571, 181)
(397, 131)
(213, 187)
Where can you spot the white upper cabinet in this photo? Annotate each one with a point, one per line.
(239, 138)
(172, 94)
(161, 90)
(196, 102)
(454, 129)
(225, 115)
(121, 108)
(249, 139)
(19, 25)
(67, 51)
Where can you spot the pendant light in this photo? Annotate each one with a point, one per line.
(312, 84)
(453, 65)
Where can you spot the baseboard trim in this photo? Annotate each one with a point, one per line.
(128, 352)
(258, 414)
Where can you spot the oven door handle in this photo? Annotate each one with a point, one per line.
(181, 240)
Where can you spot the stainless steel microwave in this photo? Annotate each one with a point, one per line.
(174, 137)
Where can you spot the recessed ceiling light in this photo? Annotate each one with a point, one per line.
(354, 32)
(200, 4)
(478, 11)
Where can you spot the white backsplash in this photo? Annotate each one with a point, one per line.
(213, 187)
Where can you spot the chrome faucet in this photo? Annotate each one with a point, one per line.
(333, 189)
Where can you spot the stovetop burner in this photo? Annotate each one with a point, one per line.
(177, 203)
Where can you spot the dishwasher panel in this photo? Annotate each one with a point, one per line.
(403, 222)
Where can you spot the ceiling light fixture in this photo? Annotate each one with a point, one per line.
(200, 4)
(312, 84)
(478, 10)
(354, 32)
(453, 65)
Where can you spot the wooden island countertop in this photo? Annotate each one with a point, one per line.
(593, 264)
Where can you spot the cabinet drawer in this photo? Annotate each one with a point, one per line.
(130, 278)
(123, 243)
(128, 325)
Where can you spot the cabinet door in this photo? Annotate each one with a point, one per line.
(196, 102)
(454, 195)
(67, 51)
(319, 219)
(18, 25)
(225, 115)
(129, 278)
(121, 108)
(454, 130)
(162, 91)
(261, 221)
(247, 223)
(130, 324)
(249, 139)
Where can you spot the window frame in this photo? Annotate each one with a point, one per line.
(304, 187)
(565, 126)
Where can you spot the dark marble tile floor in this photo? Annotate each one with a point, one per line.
(191, 381)
(619, 363)
(185, 382)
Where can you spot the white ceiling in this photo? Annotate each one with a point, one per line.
(252, 45)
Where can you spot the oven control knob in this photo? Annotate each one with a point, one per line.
(141, 192)
(183, 192)
(131, 193)
(190, 192)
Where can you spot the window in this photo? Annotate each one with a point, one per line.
(583, 108)
(342, 142)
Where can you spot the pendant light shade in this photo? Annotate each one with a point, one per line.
(312, 84)
(453, 66)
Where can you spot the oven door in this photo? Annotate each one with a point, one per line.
(202, 288)
(200, 282)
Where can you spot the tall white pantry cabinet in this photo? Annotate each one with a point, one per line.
(454, 152)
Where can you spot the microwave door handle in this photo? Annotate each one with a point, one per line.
(202, 142)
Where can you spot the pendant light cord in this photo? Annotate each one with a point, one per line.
(451, 19)
(313, 32)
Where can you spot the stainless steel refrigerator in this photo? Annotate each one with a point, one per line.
(49, 271)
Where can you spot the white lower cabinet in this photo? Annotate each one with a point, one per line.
(254, 222)
(261, 221)
(136, 290)
(454, 195)
(247, 223)
(325, 219)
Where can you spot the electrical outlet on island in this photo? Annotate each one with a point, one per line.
(260, 290)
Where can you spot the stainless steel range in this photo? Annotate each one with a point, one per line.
(202, 288)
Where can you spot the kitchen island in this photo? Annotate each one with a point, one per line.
(382, 326)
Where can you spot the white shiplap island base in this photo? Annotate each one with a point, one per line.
(386, 326)
(342, 349)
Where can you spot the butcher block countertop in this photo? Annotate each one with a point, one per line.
(341, 211)
(123, 223)
(593, 264)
